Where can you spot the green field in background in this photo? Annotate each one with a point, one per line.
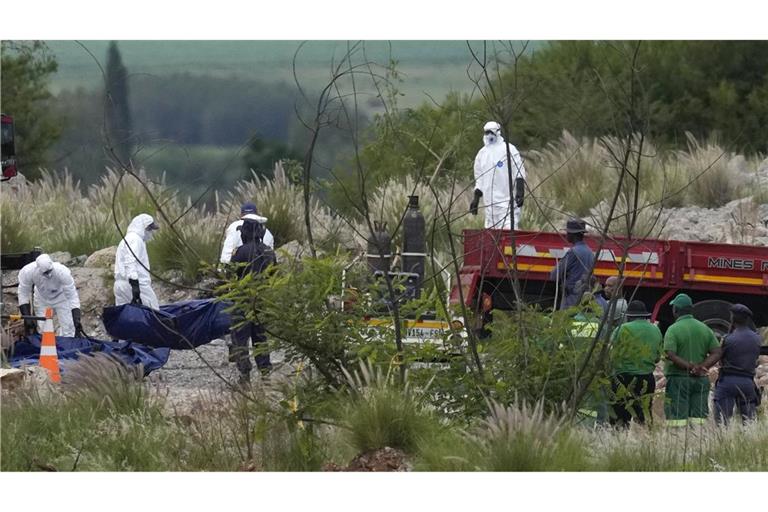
(429, 68)
(192, 168)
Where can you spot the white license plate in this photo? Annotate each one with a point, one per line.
(423, 333)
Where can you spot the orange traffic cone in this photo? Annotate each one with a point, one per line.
(48, 357)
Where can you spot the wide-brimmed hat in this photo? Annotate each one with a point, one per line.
(575, 226)
(637, 309)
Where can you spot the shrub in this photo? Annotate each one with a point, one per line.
(16, 231)
(282, 202)
(380, 413)
(117, 387)
(193, 244)
(569, 172)
(84, 232)
(711, 182)
(389, 203)
(104, 420)
(523, 438)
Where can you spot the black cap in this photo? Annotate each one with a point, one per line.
(575, 226)
(741, 309)
(637, 308)
(248, 207)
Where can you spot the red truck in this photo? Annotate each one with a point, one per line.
(714, 275)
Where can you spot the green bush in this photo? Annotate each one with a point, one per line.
(379, 412)
(104, 420)
(571, 172)
(445, 210)
(712, 184)
(16, 232)
(520, 438)
(85, 232)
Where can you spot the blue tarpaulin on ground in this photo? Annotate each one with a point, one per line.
(26, 352)
(180, 326)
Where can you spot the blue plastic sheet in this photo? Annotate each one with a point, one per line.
(180, 326)
(26, 352)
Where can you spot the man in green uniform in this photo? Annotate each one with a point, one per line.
(635, 350)
(687, 344)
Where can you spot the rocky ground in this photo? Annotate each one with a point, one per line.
(739, 222)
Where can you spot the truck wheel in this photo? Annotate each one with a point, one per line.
(716, 314)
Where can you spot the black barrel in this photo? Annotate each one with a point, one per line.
(16, 261)
(414, 244)
(379, 252)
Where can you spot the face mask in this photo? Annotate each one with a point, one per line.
(148, 235)
(489, 139)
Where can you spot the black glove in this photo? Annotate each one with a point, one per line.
(76, 317)
(135, 290)
(519, 192)
(475, 202)
(30, 326)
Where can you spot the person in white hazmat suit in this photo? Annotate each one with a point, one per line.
(133, 283)
(492, 179)
(53, 288)
(232, 238)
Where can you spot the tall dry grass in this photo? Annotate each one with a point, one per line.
(569, 177)
(578, 177)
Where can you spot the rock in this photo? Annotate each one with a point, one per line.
(78, 261)
(95, 292)
(763, 167)
(11, 378)
(174, 276)
(293, 250)
(384, 459)
(103, 258)
(61, 257)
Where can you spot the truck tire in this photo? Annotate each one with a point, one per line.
(716, 314)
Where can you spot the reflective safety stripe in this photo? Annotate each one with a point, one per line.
(723, 279)
(677, 423)
(697, 421)
(48, 325)
(583, 329)
(47, 351)
(603, 272)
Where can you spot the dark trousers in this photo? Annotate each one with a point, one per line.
(633, 395)
(738, 391)
(255, 332)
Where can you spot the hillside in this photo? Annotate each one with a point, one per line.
(432, 67)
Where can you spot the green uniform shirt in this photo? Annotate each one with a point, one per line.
(636, 347)
(690, 339)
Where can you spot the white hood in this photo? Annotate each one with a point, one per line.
(140, 223)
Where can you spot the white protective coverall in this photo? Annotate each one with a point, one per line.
(55, 290)
(492, 178)
(132, 262)
(232, 239)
